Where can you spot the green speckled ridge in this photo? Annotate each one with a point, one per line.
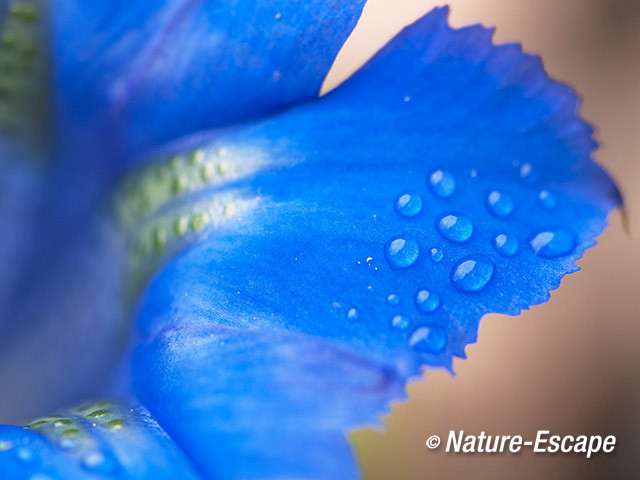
(24, 111)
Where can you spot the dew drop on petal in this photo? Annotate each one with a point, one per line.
(428, 339)
(505, 245)
(393, 299)
(100, 462)
(402, 252)
(436, 255)
(472, 273)
(426, 301)
(455, 227)
(553, 243)
(547, 199)
(441, 183)
(500, 204)
(527, 174)
(408, 205)
(25, 455)
(352, 314)
(400, 322)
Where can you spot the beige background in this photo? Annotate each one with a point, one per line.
(571, 365)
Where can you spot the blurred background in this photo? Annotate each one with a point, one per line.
(572, 365)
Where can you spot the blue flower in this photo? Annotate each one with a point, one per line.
(288, 262)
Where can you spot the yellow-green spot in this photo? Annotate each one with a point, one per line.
(179, 184)
(222, 168)
(99, 414)
(229, 210)
(38, 424)
(197, 222)
(24, 11)
(116, 424)
(206, 172)
(70, 433)
(180, 226)
(159, 239)
(4, 446)
(196, 157)
(62, 423)
(175, 162)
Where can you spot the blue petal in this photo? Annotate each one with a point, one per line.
(384, 221)
(129, 76)
(99, 440)
(287, 418)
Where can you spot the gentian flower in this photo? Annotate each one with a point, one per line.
(247, 271)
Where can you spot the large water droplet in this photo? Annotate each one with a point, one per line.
(100, 462)
(547, 199)
(400, 322)
(472, 273)
(437, 255)
(427, 301)
(393, 299)
(505, 245)
(408, 204)
(500, 204)
(553, 243)
(428, 339)
(441, 183)
(455, 227)
(402, 252)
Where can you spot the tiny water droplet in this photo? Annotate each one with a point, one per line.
(472, 273)
(436, 255)
(428, 339)
(352, 314)
(408, 204)
(455, 227)
(553, 243)
(547, 199)
(393, 299)
(442, 184)
(426, 301)
(505, 245)
(400, 322)
(500, 204)
(527, 174)
(100, 462)
(402, 252)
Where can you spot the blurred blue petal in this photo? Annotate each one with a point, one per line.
(447, 179)
(95, 441)
(130, 75)
(292, 400)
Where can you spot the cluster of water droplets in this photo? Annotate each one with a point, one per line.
(472, 273)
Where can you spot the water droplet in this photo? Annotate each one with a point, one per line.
(4, 446)
(100, 462)
(115, 424)
(547, 199)
(553, 243)
(352, 314)
(402, 252)
(393, 299)
(99, 414)
(500, 204)
(408, 205)
(505, 245)
(400, 322)
(436, 255)
(441, 183)
(426, 301)
(62, 423)
(25, 455)
(472, 273)
(527, 175)
(428, 339)
(455, 227)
